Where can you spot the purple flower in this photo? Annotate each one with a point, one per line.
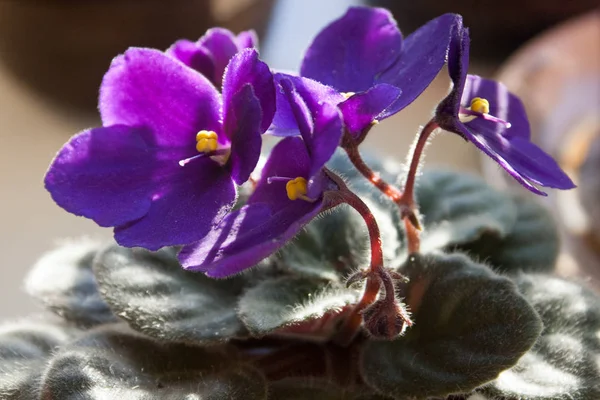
(486, 113)
(212, 52)
(363, 56)
(292, 190)
(162, 168)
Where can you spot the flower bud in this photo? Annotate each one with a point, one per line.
(385, 320)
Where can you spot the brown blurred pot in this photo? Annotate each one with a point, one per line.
(62, 48)
(558, 78)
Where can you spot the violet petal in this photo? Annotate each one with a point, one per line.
(351, 52)
(196, 198)
(147, 88)
(246, 68)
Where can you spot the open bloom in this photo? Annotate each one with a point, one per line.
(363, 56)
(162, 170)
(212, 52)
(292, 190)
(486, 113)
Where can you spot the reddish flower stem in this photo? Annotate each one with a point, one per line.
(353, 322)
(405, 200)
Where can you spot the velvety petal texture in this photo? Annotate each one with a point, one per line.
(212, 52)
(268, 221)
(503, 133)
(141, 173)
(363, 55)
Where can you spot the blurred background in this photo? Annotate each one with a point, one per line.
(53, 54)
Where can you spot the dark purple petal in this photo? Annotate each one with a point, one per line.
(503, 105)
(523, 160)
(284, 122)
(320, 124)
(247, 40)
(222, 46)
(246, 68)
(242, 125)
(423, 56)
(147, 88)
(363, 108)
(351, 52)
(196, 57)
(105, 174)
(288, 159)
(246, 237)
(195, 199)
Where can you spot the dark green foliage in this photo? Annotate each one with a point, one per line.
(564, 362)
(157, 297)
(270, 333)
(64, 282)
(470, 325)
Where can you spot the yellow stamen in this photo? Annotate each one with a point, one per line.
(480, 105)
(347, 95)
(206, 141)
(296, 188)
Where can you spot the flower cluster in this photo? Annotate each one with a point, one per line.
(182, 132)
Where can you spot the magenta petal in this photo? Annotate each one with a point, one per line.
(195, 57)
(242, 125)
(195, 199)
(363, 108)
(148, 88)
(247, 40)
(246, 68)
(320, 124)
(503, 105)
(222, 45)
(246, 237)
(423, 56)
(105, 174)
(352, 51)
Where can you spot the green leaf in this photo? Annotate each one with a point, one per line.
(25, 347)
(64, 282)
(317, 389)
(531, 246)
(157, 297)
(458, 209)
(470, 325)
(278, 303)
(113, 362)
(564, 362)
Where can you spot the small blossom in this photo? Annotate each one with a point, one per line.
(162, 170)
(376, 72)
(486, 113)
(212, 52)
(293, 188)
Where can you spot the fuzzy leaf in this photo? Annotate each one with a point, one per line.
(64, 282)
(458, 209)
(24, 349)
(564, 362)
(157, 297)
(113, 362)
(470, 325)
(531, 246)
(279, 303)
(316, 389)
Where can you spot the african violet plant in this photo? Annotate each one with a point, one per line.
(336, 288)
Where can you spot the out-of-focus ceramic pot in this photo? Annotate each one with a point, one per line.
(557, 76)
(62, 48)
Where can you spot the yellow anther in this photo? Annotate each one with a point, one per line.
(480, 105)
(296, 188)
(347, 95)
(206, 141)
